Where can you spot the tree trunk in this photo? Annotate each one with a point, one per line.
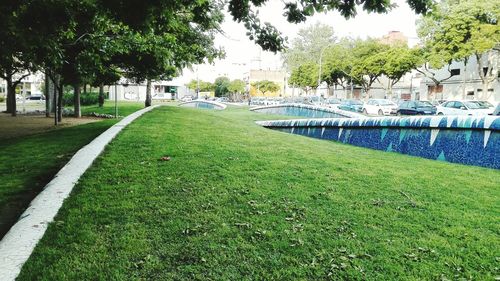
(59, 101)
(11, 97)
(54, 101)
(464, 92)
(148, 93)
(389, 92)
(76, 101)
(10, 85)
(101, 95)
(85, 89)
(49, 94)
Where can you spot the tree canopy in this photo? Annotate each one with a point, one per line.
(270, 39)
(266, 86)
(221, 86)
(204, 86)
(236, 86)
(308, 46)
(457, 30)
(96, 41)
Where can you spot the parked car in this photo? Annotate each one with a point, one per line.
(460, 108)
(486, 106)
(36, 96)
(416, 108)
(380, 107)
(186, 98)
(315, 100)
(333, 102)
(222, 99)
(351, 105)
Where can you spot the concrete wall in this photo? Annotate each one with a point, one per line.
(458, 139)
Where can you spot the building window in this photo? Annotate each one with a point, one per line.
(455, 71)
(479, 90)
(2, 89)
(470, 93)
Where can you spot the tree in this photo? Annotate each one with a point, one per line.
(14, 51)
(337, 64)
(221, 86)
(107, 76)
(74, 40)
(398, 60)
(457, 30)
(305, 77)
(308, 46)
(266, 86)
(367, 63)
(466, 28)
(236, 86)
(270, 39)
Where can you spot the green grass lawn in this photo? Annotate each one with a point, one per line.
(28, 163)
(124, 108)
(240, 202)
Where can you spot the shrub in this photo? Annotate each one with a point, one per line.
(85, 99)
(2, 99)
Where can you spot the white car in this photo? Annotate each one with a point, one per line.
(186, 98)
(461, 108)
(380, 107)
(486, 106)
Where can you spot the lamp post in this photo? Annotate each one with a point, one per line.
(116, 97)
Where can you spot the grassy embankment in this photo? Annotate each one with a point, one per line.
(237, 201)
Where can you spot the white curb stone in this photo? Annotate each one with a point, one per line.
(18, 244)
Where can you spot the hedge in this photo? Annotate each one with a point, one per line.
(85, 99)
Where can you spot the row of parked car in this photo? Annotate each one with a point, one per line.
(413, 107)
(388, 107)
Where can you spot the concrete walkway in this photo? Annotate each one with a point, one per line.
(18, 244)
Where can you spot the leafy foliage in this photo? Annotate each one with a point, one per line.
(221, 86)
(271, 39)
(455, 31)
(367, 64)
(85, 99)
(204, 86)
(305, 76)
(308, 46)
(237, 86)
(337, 63)
(266, 86)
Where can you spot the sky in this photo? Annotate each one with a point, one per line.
(243, 54)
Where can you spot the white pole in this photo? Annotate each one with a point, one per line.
(116, 101)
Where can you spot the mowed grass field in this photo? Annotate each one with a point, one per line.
(241, 202)
(28, 163)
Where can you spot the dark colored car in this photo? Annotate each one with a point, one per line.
(351, 105)
(416, 108)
